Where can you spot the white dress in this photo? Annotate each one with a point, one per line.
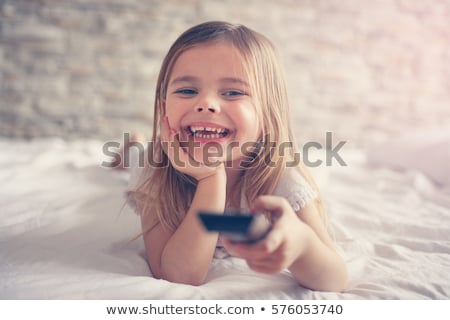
(292, 186)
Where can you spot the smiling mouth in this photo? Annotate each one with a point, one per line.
(207, 132)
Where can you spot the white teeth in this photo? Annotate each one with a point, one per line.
(197, 129)
(207, 132)
(194, 129)
(207, 136)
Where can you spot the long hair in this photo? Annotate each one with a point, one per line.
(168, 193)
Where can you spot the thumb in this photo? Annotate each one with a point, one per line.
(273, 204)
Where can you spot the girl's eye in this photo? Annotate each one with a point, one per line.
(186, 91)
(233, 93)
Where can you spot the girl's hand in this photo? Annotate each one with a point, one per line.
(284, 244)
(178, 153)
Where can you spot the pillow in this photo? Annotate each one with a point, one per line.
(428, 152)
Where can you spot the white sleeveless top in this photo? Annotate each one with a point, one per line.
(292, 186)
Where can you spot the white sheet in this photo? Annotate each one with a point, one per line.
(63, 234)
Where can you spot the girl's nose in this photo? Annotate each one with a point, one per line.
(211, 109)
(207, 102)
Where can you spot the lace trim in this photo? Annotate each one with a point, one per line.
(295, 189)
(300, 196)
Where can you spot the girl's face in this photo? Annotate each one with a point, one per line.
(209, 103)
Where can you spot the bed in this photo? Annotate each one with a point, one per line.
(66, 234)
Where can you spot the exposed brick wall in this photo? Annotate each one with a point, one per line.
(365, 70)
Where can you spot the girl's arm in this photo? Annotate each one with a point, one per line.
(319, 266)
(184, 256)
(298, 242)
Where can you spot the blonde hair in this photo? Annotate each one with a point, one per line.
(168, 192)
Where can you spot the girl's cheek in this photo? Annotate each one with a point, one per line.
(174, 116)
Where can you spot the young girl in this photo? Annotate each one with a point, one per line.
(222, 139)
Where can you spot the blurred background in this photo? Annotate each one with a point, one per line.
(368, 71)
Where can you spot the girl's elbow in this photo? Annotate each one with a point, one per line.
(193, 281)
(339, 286)
(175, 274)
(344, 282)
(189, 278)
(340, 283)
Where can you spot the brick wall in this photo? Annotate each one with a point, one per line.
(366, 71)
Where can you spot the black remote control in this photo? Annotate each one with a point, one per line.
(236, 226)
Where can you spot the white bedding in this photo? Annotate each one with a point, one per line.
(63, 234)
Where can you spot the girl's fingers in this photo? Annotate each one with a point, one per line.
(262, 266)
(269, 203)
(258, 250)
(271, 263)
(237, 249)
(171, 143)
(165, 130)
(273, 205)
(165, 135)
